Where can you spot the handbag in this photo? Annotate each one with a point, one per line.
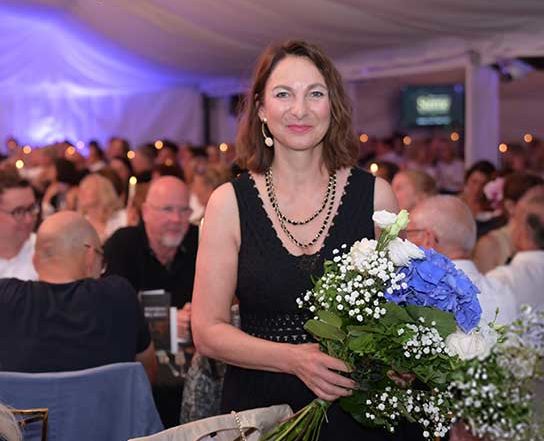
(248, 425)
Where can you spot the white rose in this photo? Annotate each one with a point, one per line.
(361, 251)
(384, 218)
(477, 344)
(402, 251)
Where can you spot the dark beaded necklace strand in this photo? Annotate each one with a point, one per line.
(328, 203)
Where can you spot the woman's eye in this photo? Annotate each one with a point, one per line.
(281, 94)
(316, 94)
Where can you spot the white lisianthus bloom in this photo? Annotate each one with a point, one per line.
(477, 344)
(361, 251)
(402, 251)
(384, 218)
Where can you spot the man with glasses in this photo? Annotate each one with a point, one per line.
(160, 253)
(446, 224)
(71, 319)
(18, 215)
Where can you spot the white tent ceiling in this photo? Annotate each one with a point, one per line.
(86, 68)
(216, 41)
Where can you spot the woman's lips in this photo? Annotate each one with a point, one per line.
(299, 128)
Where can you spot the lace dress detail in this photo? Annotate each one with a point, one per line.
(268, 283)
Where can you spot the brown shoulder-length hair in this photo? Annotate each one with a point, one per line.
(340, 148)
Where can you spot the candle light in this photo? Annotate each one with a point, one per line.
(132, 187)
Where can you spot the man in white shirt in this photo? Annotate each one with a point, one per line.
(525, 273)
(18, 214)
(446, 224)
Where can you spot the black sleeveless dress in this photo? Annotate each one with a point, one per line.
(269, 281)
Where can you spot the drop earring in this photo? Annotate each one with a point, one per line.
(269, 142)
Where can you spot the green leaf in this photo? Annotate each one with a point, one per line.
(330, 318)
(396, 315)
(364, 344)
(356, 331)
(445, 321)
(323, 330)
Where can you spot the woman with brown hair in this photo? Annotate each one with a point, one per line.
(267, 233)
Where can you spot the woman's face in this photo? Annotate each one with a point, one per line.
(296, 104)
(404, 191)
(475, 184)
(121, 169)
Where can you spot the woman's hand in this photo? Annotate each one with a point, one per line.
(317, 371)
(402, 380)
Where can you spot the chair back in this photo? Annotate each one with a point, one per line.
(28, 420)
(107, 403)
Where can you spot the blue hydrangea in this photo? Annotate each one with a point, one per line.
(436, 282)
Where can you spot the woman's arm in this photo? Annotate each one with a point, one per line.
(215, 284)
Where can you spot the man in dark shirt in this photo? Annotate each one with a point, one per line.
(70, 319)
(161, 252)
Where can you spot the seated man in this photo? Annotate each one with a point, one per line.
(69, 319)
(161, 252)
(525, 273)
(18, 214)
(446, 224)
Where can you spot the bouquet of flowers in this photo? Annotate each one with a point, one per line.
(387, 308)
(494, 390)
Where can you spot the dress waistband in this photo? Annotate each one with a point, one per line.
(281, 327)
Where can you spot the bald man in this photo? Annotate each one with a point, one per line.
(70, 319)
(525, 273)
(446, 224)
(161, 252)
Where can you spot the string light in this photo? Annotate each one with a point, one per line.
(223, 147)
(27, 149)
(169, 162)
(374, 168)
(19, 164)
(133, 180)
(454, 136)
(131, 154)
(158, 144)
(80, 145)
(363, 138)
(70, 151)
(503, 148)
(528, 138)
(407, 140)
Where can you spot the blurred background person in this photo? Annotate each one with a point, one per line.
(101, 206)
(479, 174)
(96, 159)
(18, 215)
(496, 247)
(117, 147)
(62, 191)
(411, 187)
(134, 207)
(525, 273)
(445, 224)
(203, 185)
(450, 169)
(143, 161)
(168, 153)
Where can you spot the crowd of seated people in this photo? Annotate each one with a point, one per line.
(141, 209)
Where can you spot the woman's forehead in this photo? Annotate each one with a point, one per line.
(295, 71)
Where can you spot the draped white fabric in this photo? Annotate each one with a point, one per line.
(58, 81)
(222, 38)
(134, 51)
